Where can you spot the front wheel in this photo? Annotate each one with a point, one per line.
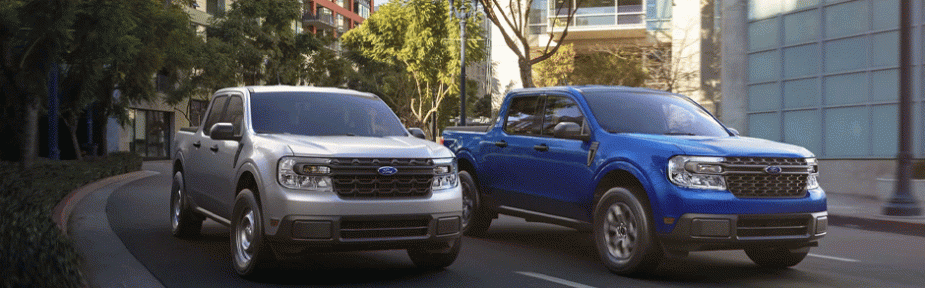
(435, 259)
(184, 222)
(249, 250)
(475, 218)
(776, 257)
(624, 235)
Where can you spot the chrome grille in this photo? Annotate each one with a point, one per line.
(358, 177)
(745, 177)
(772, 227)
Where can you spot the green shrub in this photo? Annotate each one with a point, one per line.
(33, 252)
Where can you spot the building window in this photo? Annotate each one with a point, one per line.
(361, 7)
(342, 3)
(537, 17)
(341, 24)
(162, 82)
(150, 133)
(215, 7)
(197, 110)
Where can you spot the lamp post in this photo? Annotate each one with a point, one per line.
(903, 203)
(462, 14)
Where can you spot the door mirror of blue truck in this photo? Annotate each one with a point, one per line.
(417, 132)
(734, 131)
(568, 130)
(222, 131)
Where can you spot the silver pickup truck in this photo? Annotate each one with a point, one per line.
(294, 170)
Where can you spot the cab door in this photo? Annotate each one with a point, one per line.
(515, 183)
(564, 182)
(198, 174)
(220, 156)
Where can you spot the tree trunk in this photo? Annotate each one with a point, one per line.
(101, 127)
(29, 143)
(72, 128)
(526, 73)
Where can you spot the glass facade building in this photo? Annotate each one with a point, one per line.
(823, 75)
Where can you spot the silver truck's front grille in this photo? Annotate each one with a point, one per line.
(380, 229)
(746, 177)
(359, 177)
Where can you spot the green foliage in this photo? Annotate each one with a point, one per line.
(556, 69)
(420, 37)
(33, 252)
(624, 69)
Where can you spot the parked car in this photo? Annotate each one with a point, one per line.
(293, 170)
(652, 174)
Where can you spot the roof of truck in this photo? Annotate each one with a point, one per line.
(289, 88)
(590, 88)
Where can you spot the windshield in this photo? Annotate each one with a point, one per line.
(651, 113)
(323, 114)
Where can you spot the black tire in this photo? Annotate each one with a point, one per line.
(624, 233)
(184, 222)
(776, 257)
(475, 216)
(435, 259)
(249, 248)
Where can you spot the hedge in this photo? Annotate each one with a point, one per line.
(33, 252)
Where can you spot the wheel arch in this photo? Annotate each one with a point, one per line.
(625, 174)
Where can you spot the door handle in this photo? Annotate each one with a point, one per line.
(541, 147)
(501, 144)
(214, 148)
(197, 144)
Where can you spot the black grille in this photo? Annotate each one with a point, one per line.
(764, 161)
(771, 227)
(359, 177)
(383, 229)
(746, 177)
(766, 186)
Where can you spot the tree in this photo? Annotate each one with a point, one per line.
(620, 68)
(513, 21)
(556, 69)
(414, 34)
(33, 35)
(121, 44)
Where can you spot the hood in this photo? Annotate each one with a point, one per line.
(729, 146)
(361, 147)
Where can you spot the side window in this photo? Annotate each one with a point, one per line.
(522, 118)
(234, 114)
(561, 109)
(215, 112)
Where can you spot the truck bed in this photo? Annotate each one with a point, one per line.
(468, 128)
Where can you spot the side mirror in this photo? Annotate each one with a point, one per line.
(568, 130)
(222, 131)
(417, 132)
(734, 131)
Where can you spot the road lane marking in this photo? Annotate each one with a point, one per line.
(553, 279)
(833, 258)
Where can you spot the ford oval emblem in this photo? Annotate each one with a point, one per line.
(387, 170)
(773, 170)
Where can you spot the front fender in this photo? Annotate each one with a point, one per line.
(651, 191)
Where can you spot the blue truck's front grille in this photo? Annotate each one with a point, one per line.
(358, 178)
(746, 177)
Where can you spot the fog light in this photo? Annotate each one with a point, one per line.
(448, 225)
(822, 224)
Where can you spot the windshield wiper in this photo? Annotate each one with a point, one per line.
(680, 133)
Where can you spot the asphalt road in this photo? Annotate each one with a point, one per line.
(515, 254)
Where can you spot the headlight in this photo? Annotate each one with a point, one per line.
(310, 174)
(445, 174)
(696, 172)
(812, 181)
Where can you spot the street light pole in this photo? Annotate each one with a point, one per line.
(462, 14)
(903, 203)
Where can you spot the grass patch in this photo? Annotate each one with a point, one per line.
(33, 252)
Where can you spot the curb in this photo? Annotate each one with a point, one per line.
(62, 211)
(878, 225)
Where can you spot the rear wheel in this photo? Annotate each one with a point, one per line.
(435, 259)
(624, 234)
(475, 218)
(249, 249)
(184, 222)
(776, 257)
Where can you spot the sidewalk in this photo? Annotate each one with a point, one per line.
(867, 214)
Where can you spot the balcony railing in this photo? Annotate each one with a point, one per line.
(318, 21)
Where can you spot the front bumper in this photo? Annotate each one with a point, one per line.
(698, 232)
(302, 234)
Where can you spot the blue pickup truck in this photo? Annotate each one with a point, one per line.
(650, 173)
